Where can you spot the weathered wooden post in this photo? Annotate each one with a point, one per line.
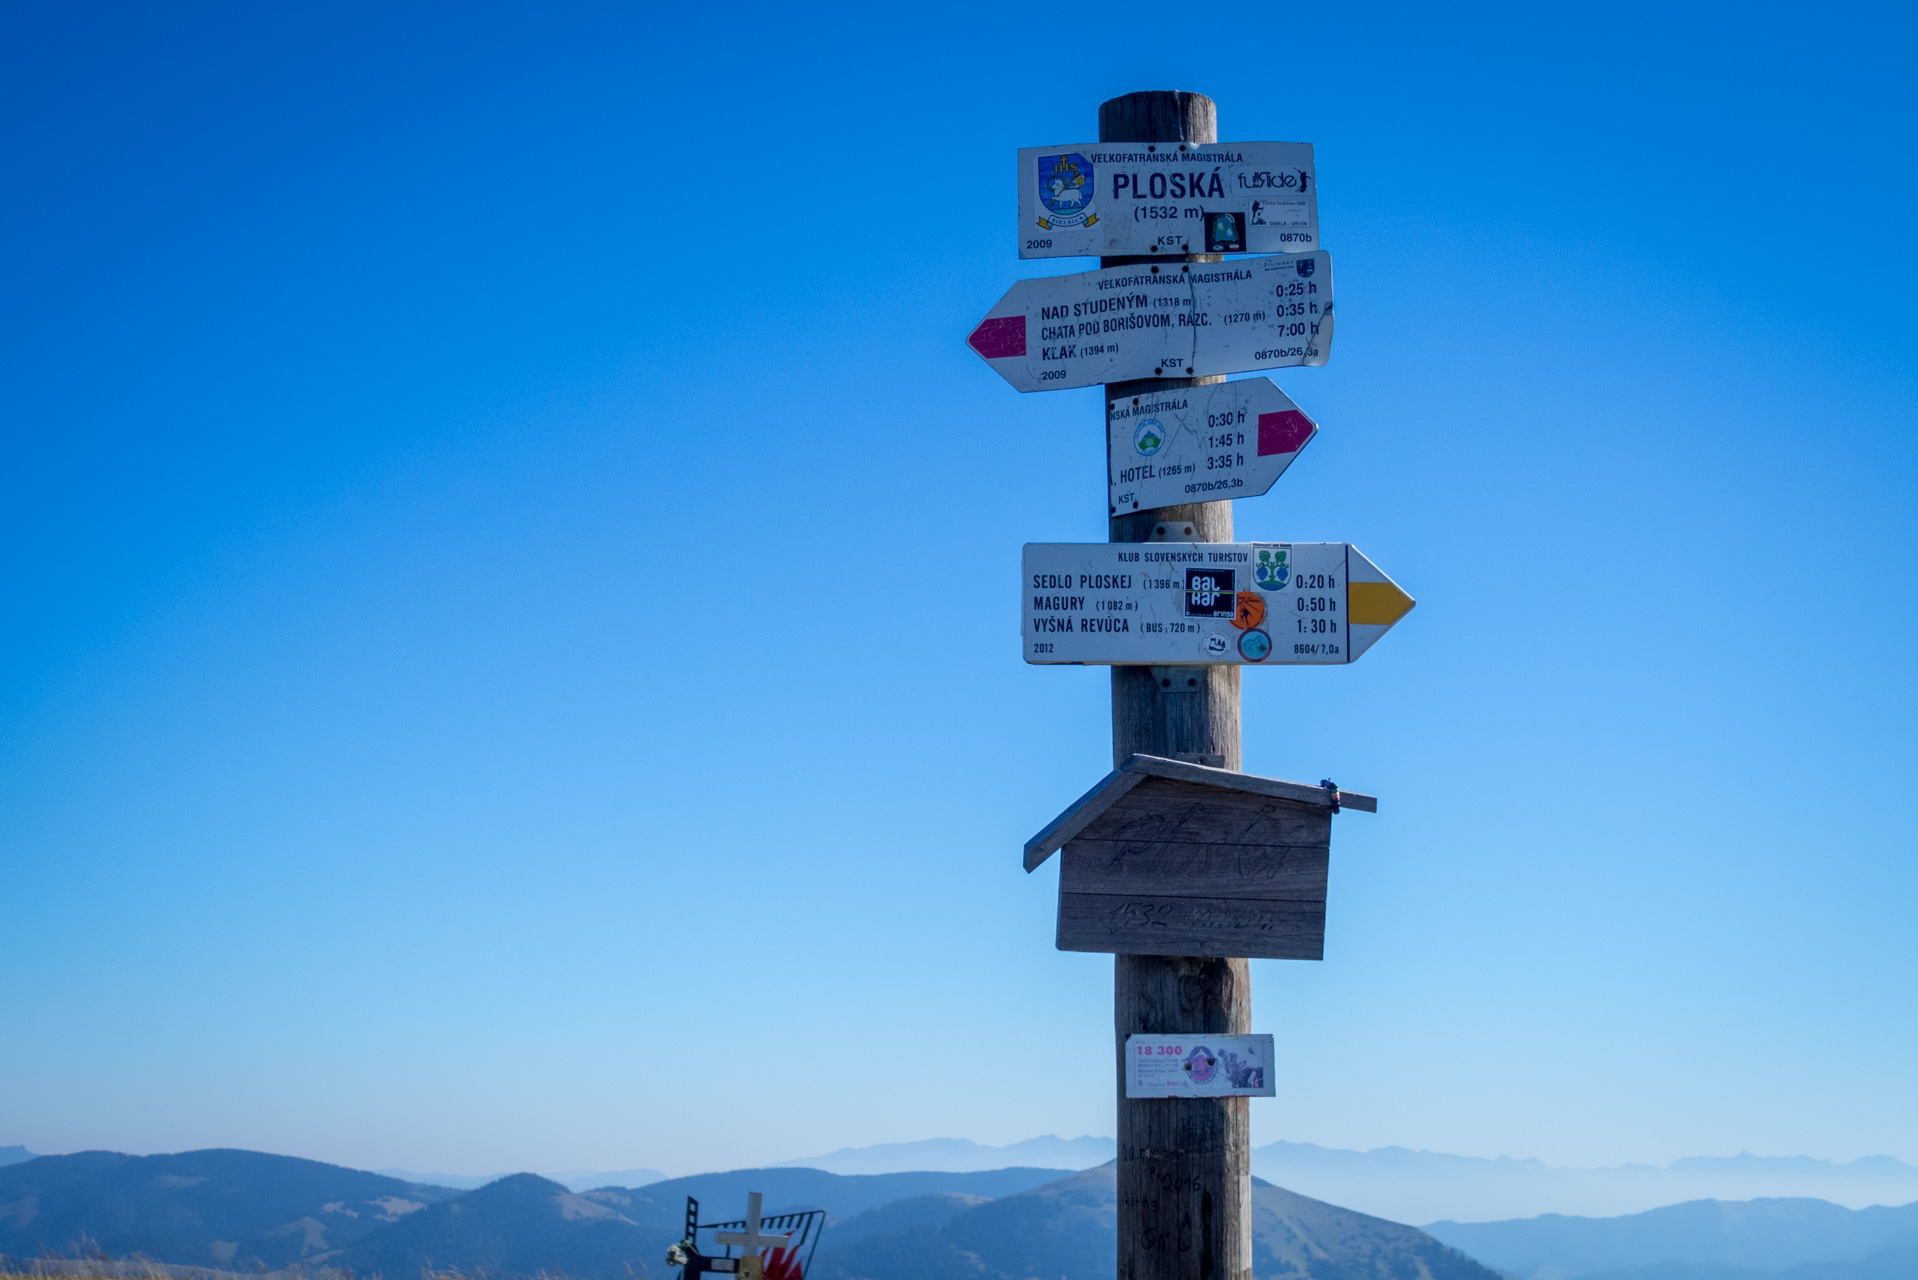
(1178, 863)
(1185, 1174)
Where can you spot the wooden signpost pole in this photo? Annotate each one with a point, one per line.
(1185, 1180)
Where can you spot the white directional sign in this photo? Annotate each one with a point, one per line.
(1112, 198)
(1204, 603)
(1176, 320)
(1201, 444)
(1199, 1066)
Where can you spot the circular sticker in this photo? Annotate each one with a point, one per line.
(1255, 646)
(1200, 1063)
(1251, 610)
(1149, 438)
(1215, 645)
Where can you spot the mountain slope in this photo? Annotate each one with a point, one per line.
(526, 1224)
(902, 1215)
(230, 1209)
(1067, 1229)
(1764, 1235)
(723, 1195)
(520, 1225)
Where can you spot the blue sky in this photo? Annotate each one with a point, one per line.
(511, 649)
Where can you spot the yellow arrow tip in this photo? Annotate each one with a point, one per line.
(1375, 604)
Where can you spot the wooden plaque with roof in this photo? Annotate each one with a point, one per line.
(1165, 858)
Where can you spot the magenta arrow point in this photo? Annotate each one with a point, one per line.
(1283, 432)
(996, 339)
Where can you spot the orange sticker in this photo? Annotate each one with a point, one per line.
(1251, 610)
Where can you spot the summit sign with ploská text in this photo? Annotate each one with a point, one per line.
(1122, 198)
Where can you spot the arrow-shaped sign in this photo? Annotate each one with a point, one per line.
(1201, 444)
(1161, 320)
(1204, 603)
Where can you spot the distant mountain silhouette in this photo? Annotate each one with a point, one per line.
(1898, 1262)
(14, 1155)
(841, 1195)
(573, 1179)
(235, 1210)
(1423, 1186)
(1068, 1229)
(240, 1210)
(1710, 1237)
(960, 1155)
(902, 1215)
(243, 1210)
(520, 1225)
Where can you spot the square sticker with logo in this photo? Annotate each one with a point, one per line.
(1225, 233)
(1211, 593)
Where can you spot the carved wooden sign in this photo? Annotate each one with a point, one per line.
(1165, 858)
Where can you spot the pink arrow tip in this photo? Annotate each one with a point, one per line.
(996, 339)
(1284, 432)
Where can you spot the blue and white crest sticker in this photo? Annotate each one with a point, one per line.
(1066, 189)
(1274, 568)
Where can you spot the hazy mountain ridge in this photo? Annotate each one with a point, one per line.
(1003, 1224)
(1068, 1228)
(1701, 1240)
(1426, 1186)
(962, 1155)
(217, 1208)
(572, 1179)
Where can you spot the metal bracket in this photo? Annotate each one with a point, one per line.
(1178, 679)
(1210, 759)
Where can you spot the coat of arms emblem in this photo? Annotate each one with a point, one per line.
(1066, 190)
(1274, 568)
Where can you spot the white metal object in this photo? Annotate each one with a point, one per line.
(1112, 198)
(1153, 320)
(750, 1240)
(1200, 444)
(1199, 1066)
(1204, 603)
